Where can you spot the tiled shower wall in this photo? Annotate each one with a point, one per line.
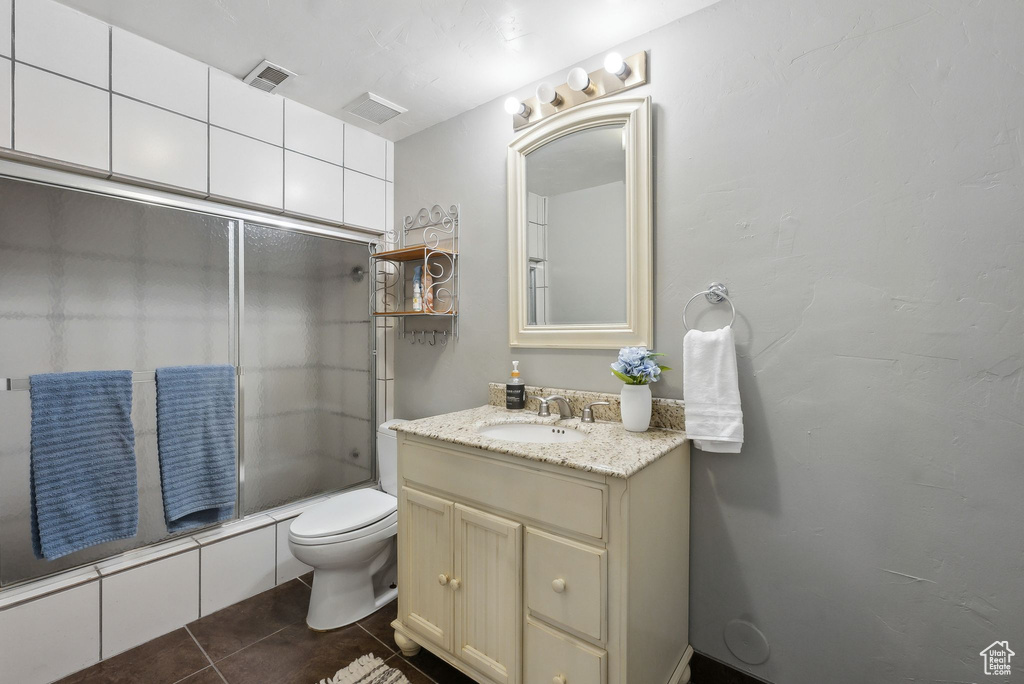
(79, 95)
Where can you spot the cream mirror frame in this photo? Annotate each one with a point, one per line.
(633, 115)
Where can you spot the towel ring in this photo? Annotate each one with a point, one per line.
(716, 293)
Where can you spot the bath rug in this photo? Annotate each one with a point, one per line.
(367, 669)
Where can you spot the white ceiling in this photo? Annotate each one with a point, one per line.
(438, 58)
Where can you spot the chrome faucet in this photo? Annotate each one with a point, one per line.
(564, 410)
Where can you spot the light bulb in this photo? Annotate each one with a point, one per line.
(615, 65)
(546, 94)
(513, 106)
(578, 80)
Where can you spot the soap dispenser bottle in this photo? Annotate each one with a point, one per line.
(515, 390)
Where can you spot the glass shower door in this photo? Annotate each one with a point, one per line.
(89, 282)
(307, 371)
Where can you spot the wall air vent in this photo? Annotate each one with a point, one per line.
(267, 76)
(374, 108)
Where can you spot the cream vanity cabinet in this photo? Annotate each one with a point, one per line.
(519, 571)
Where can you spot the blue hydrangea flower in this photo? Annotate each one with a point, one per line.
(636, 366)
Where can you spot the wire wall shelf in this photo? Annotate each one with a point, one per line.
(429, 239)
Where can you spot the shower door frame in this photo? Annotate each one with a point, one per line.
(237, 216)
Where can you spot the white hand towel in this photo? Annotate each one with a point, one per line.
(711, 391)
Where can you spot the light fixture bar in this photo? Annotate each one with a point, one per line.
(602, 83)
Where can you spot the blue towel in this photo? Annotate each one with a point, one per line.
(195, 419)
(84, 488)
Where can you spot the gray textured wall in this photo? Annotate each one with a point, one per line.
(852, 170)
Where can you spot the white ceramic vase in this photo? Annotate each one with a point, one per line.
(636, 407)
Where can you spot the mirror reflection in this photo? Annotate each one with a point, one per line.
(576, 235)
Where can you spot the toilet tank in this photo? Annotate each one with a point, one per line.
(387, 456)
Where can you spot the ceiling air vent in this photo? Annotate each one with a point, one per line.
(374, 108)
(267, 76)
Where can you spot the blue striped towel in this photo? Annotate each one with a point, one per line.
(84, 487)
(195, 419)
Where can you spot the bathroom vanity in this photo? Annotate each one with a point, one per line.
(561, 561)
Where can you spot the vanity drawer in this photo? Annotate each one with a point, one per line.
(555, 657)
(566, 582)
(577, 505)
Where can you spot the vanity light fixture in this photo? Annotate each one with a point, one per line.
(546, 94)
(514, 107)
(579, 80)
(616, 66)
(618, 74)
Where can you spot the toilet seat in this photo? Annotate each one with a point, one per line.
(390, 521)
(344, 517)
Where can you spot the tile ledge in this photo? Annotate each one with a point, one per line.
(54, 584)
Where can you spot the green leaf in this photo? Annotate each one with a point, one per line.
(625, 378)
(664, 368)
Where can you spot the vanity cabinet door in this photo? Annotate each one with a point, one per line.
(487, 589)
(425, 565)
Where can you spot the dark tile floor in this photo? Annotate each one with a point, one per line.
(707, 670)
(264, 640)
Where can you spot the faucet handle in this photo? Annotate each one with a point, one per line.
(588, 413)
(543, 411)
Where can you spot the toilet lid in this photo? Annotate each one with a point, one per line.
(344, 513)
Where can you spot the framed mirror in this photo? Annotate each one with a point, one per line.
(579, 229)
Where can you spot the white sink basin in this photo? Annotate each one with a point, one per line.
(532, 433)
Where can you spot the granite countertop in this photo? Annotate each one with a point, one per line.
(609, 450)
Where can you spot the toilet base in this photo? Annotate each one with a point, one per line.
(381, 601)
(341, 596)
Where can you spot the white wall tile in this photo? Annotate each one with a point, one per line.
(389, 206)
(150, 72)
(57, 38)
(313, 188)
(5, 102)
(51, 637)
(59, 118)
(312, 132)
(365, 152)
(237, 568)
(242, 108)
(156, 145)
(288, 568)
(245, 169)
(6, 37)
(389, 168)
(148, 601)
(364, 201)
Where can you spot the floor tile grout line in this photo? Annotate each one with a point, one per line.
(205, 655)
(380, 641)
(263, 638)
(199, 646)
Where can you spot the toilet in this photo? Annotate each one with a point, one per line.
(350, 542)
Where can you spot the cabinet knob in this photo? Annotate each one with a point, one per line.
(442, 579)
(558, 679)
(455, 584)
(558, 586)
